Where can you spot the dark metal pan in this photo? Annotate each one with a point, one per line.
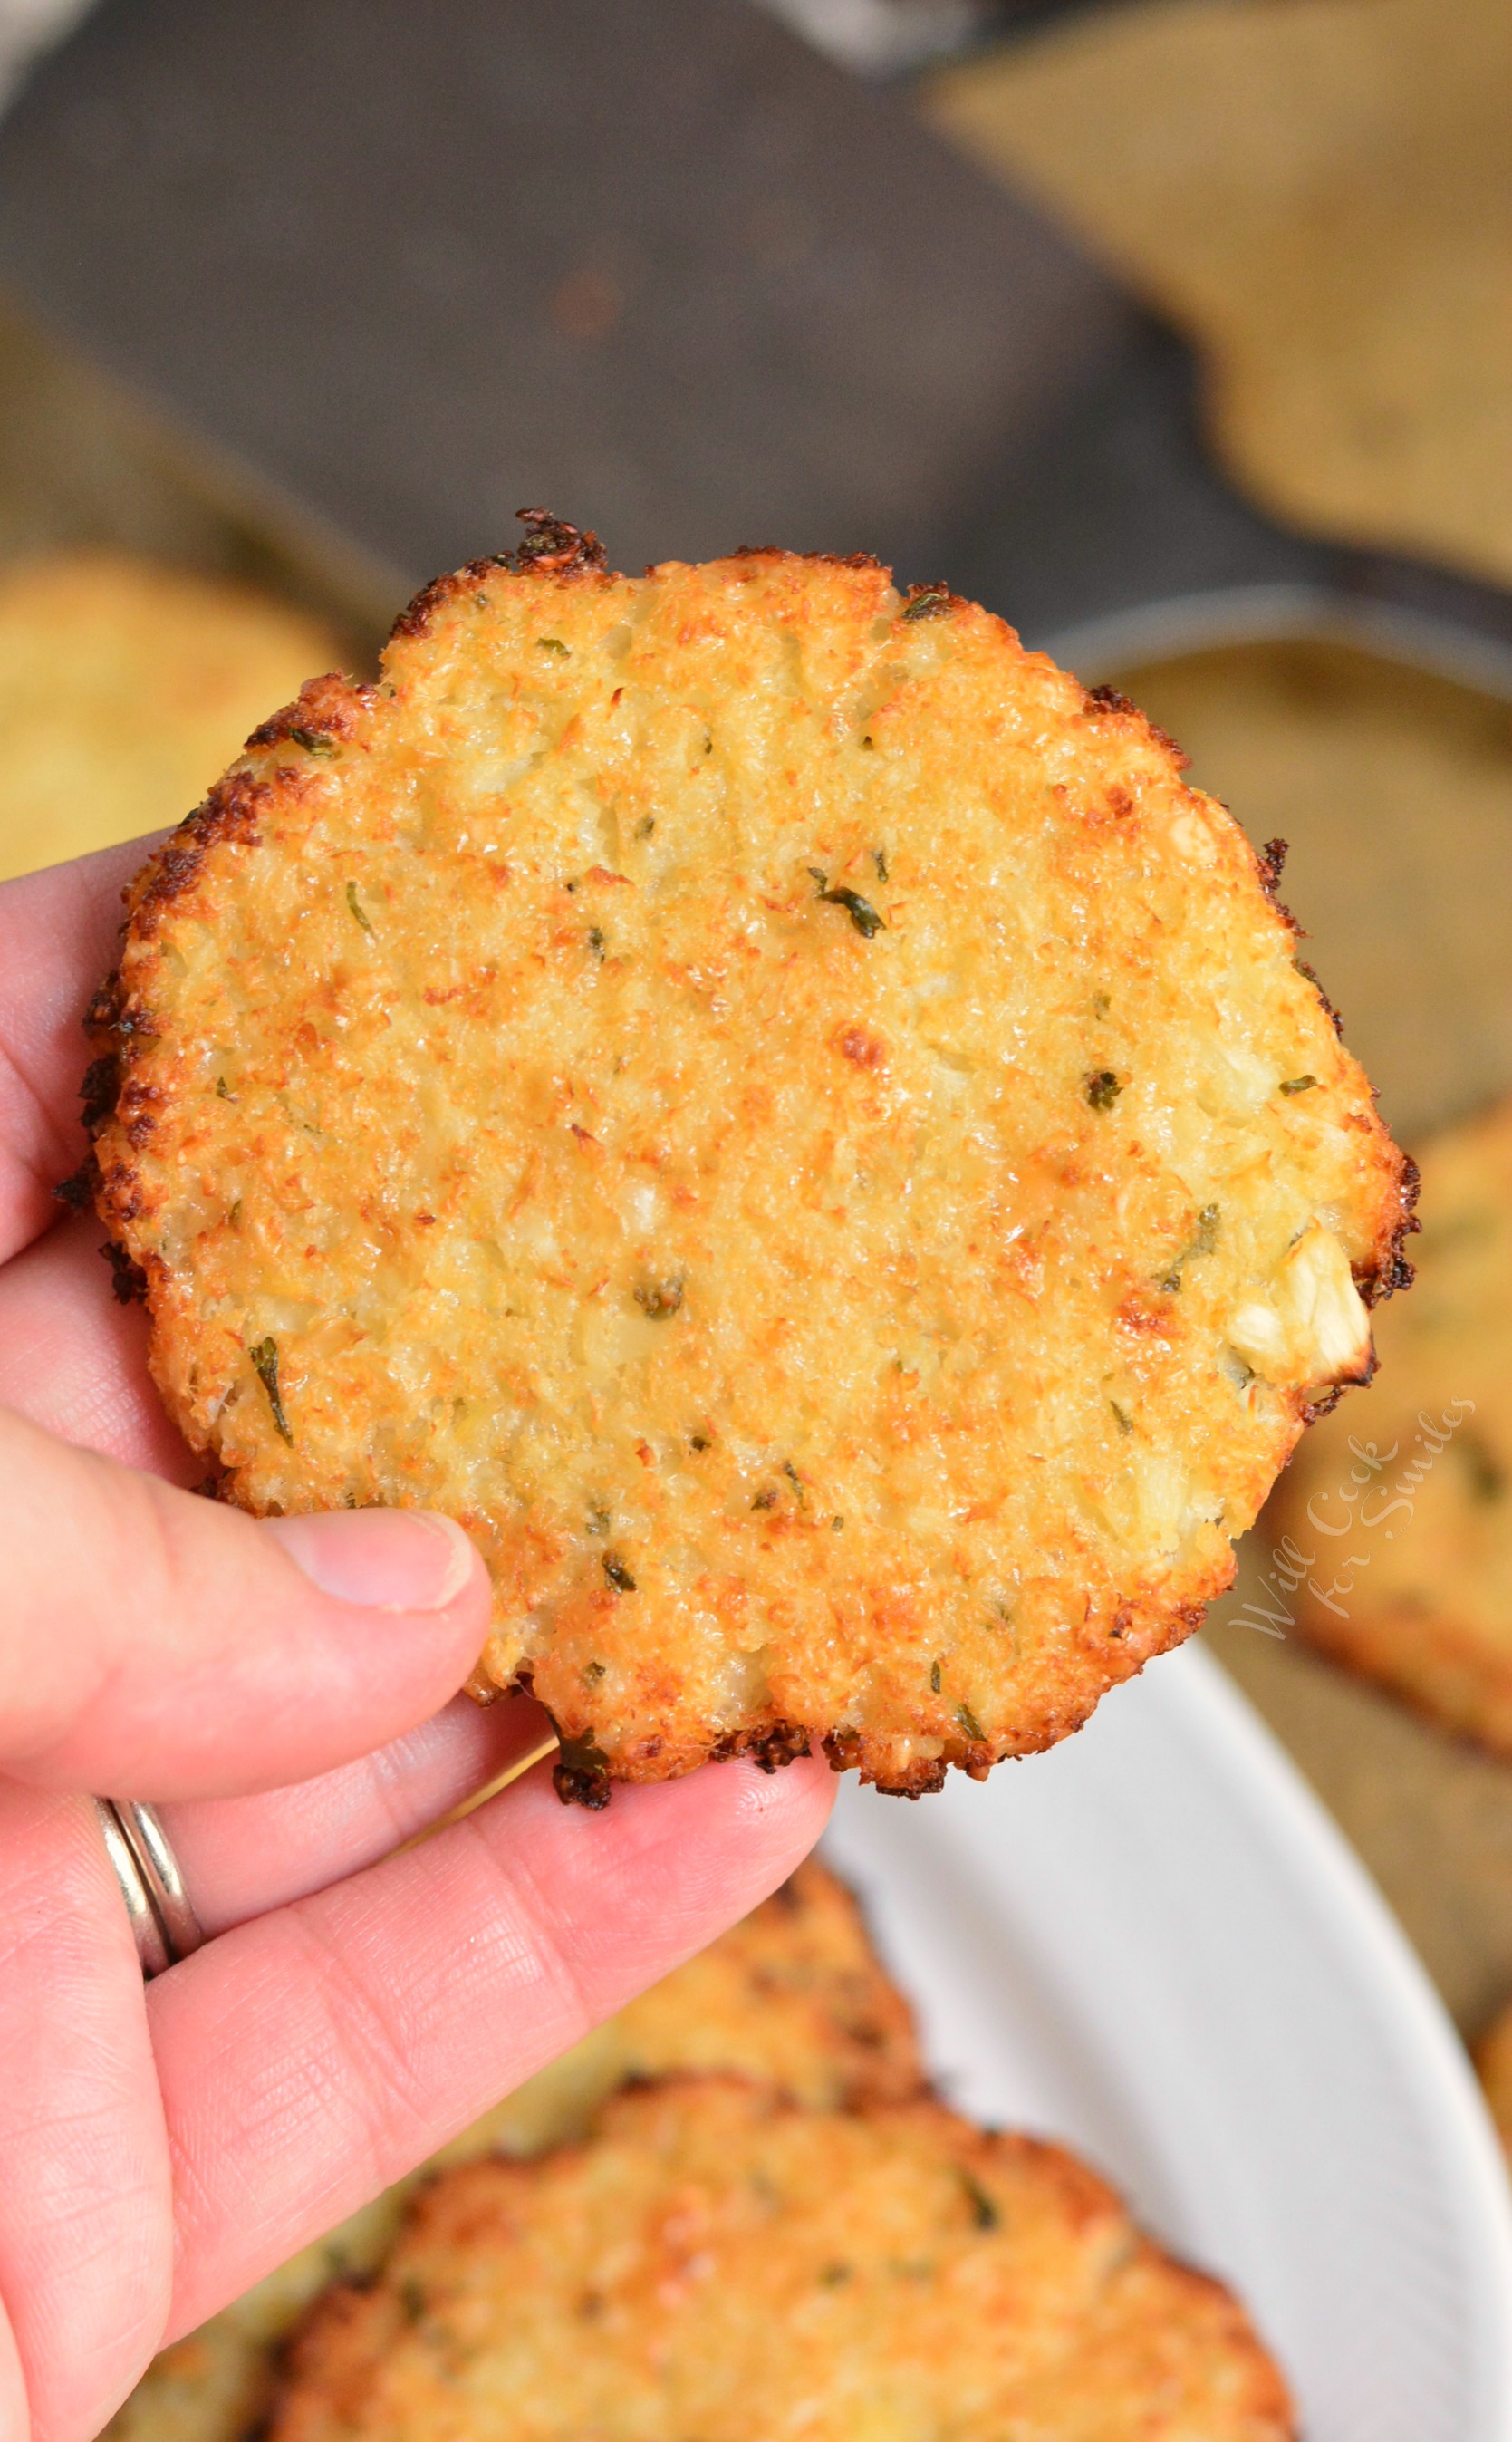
(664, 269)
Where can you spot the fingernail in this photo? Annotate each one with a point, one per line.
(392, 1560)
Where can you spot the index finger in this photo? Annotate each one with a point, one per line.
(309, 2058)
(58, 936)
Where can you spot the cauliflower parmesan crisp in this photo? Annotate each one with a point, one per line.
(717, 2264)
(794, 1999)
(778, 1109)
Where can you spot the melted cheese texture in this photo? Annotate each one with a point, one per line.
(778, 1110)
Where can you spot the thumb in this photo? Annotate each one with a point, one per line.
(156, 1644)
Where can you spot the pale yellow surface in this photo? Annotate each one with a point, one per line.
(126, 688)
(717, 2266)
(782, 1113)
(1319, 194)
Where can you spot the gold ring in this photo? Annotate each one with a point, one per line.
(152, 1882)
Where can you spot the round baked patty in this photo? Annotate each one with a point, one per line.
(778, 1109)
(717, 2264)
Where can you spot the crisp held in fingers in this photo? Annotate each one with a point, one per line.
(778, 1110)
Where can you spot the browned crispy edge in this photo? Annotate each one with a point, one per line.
(1388, 1270)
(327, 709)
(332, 2347)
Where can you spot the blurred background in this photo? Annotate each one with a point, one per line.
(1177, 331)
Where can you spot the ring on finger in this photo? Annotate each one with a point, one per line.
(152, 1882)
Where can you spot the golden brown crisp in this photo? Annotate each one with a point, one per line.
(123, 687)
(717, 2264)
(778, 1109)
(1403, 1508)
(793, 1996)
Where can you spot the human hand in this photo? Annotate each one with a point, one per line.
(281, 1690)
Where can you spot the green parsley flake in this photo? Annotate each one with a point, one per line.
(1487, 1477)
(413, 2301)
(1202, 1242)
(861, 911)
(265, 1356)
(984, 2213)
